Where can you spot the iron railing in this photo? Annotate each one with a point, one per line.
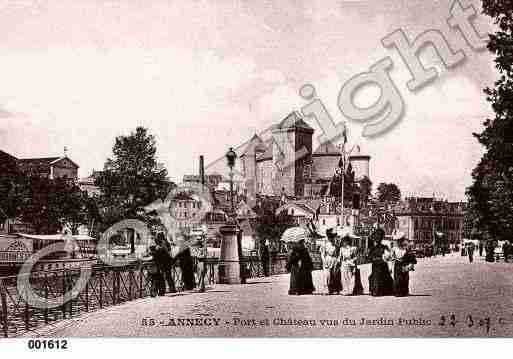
(107, 286)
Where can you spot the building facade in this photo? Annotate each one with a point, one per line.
(421, 218)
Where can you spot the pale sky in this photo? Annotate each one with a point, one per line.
(206, 75)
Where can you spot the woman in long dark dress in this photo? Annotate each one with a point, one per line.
(380, 280)
(300, 266)
(404, 260)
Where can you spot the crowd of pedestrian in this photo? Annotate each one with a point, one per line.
(341, 272)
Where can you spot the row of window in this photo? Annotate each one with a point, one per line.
(194, 204)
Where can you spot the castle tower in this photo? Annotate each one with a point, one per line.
(291, 152)
(360, 164)
(249, 168)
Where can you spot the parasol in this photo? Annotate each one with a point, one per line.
(294, 235)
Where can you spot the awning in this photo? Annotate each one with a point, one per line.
(55, 237)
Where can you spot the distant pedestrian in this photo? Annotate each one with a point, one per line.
(481, 247)
(506, 250)
(490, 250)
(265, 256)
(470, 251)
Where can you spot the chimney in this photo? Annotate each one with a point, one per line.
(202, 170)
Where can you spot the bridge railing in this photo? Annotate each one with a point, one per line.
(107, 286)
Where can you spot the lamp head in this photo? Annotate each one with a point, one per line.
(231, 156)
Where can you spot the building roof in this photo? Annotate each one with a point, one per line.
(255, 145)
(327, 148)
(299, 206)
(293, 120)
(42, 162)
(4, 154)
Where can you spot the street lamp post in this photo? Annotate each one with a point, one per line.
(231, 156)
(229, 261)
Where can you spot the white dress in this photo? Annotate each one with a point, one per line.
(347, 270)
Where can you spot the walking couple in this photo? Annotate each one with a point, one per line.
(380, 280)
(189, 258)
(339, 263)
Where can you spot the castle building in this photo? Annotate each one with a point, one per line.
(286, 164)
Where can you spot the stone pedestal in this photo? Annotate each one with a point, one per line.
(229, 266)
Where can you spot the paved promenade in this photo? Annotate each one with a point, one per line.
(479, 295)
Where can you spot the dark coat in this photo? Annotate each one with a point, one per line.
(402, 278)
(186, 263)
(300, 266)
(380, 280)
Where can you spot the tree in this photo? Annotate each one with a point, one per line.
(491, 194)
(270, 226)
(132, 178)
(11, 187)
(388, 192)
(349, 185)
(51, 204)
(365, 189)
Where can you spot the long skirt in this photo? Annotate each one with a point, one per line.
(490, 255)
(358, 286)
(333, 279)
(348, 279)
(380, 280)
(300, 281)
(401, 281)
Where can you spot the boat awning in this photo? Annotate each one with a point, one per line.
(55, 237)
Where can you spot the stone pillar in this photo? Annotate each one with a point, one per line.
(230, 268)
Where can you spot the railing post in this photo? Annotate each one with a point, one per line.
(87, 297)
(130, 275)
(141, 275)
(101, 287)
(45, 311)
(63, 293)
(114, 289)
(3, 299)
(27, 326)
(69, 285)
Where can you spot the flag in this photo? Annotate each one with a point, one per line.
(341, 162)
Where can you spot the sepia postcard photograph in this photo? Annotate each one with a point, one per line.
(255, 169)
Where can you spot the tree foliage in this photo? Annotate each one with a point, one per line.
(11, 187)
(270, 226)
(132, 178)
(49, 205)
(491, 194)
(388, 192)
(349, 185)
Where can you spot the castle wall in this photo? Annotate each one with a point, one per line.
(360, 166)
(324, 166)
(283, 160)
(265, 176)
